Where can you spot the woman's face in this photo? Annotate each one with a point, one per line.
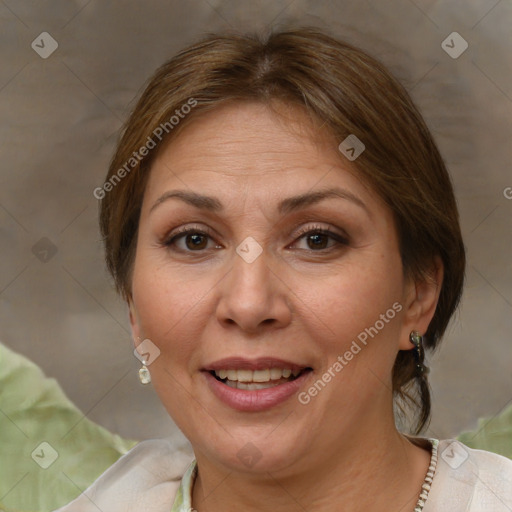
(256, 286)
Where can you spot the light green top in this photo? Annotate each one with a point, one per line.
(492, 433)
(183, 500)
(49, 451)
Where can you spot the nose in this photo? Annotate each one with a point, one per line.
(253, 296)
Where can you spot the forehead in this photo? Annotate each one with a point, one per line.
(249, 148)
(242, 130)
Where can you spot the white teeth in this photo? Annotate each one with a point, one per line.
(242, 375)
(261, 375)
(275, 373)
(232, 374)
(257, 376)
(251, 385)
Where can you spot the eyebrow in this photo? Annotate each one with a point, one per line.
(286, 206)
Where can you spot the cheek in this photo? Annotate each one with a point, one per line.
(362, 307)
(360, 292)
(167, 311)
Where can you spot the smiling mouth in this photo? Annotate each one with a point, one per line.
(258, 379)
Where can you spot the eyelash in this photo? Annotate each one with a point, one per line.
(309, 230)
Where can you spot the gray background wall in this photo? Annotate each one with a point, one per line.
(60, 118)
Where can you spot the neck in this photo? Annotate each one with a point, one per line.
(369, 470)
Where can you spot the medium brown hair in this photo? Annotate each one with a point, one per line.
(345, 89)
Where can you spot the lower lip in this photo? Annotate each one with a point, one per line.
(256, 399)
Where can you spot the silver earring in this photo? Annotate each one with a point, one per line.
(144, 375)
(417, 340)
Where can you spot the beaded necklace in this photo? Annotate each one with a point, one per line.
(427, 483)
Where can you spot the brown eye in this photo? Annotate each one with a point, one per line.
(194, 240)
(317, 239)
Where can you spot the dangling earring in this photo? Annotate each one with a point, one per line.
(144, 375)
(417, 340)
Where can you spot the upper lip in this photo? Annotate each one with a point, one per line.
(261, 363)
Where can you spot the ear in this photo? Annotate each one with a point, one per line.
(134, 322)
(421, 298)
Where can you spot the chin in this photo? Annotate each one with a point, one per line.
(256, 454)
